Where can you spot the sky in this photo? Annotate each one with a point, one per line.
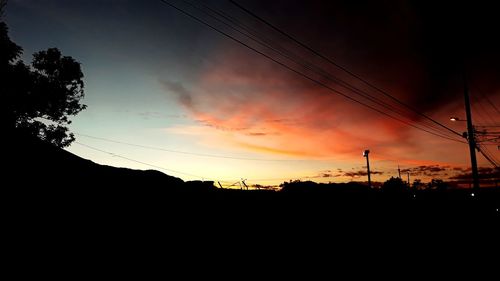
(157, 78)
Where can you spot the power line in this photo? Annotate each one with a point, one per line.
(254, 36)
(482, 112)
(191, 153)
(488, 156)
(140, 162)
(487, 126)
(302, 74)
(478, 110)
(491, 103)
(341, 67)
(487, 100)
(183, 173)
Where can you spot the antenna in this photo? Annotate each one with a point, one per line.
(243, 182)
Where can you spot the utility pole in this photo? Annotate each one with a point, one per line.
(408, 178)
(365, 154)
(471, 137)
(399, 172)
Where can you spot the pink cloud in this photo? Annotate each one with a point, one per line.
(262, 107)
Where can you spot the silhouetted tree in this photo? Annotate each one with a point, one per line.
(417, 184)
(39, 98)
(436, 184)
(395, 185)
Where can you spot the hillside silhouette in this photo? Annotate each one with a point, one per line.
(34, 162)
(47, 176)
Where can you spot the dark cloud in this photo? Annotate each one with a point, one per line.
(484, 173)
(452, 173)
(327, 174)
(257, 134)
(427, 170)
(434, 171)
(183, 95)
(285, 121)
(430, 169)
(414, 49)
(361, 173)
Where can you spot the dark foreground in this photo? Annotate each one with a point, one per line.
(62, 212)
(42, 180)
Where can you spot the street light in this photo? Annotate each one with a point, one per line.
(456, 119)
(470, 136)
(365, 154)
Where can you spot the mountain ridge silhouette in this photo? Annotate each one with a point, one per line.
(42, 177)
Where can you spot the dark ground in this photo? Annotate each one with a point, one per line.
(62, 212)
(45, 186)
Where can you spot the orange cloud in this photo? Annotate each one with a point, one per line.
(261, 107)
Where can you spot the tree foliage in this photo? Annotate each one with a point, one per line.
(417, 185)
(38, 98)
(437, 184)
(394, 185)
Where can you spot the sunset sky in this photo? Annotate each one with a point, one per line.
(155, 77)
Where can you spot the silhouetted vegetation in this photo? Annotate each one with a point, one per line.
(395, 185)
(46, 175)
(38, 98)
(417, 185)
(437, 184)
